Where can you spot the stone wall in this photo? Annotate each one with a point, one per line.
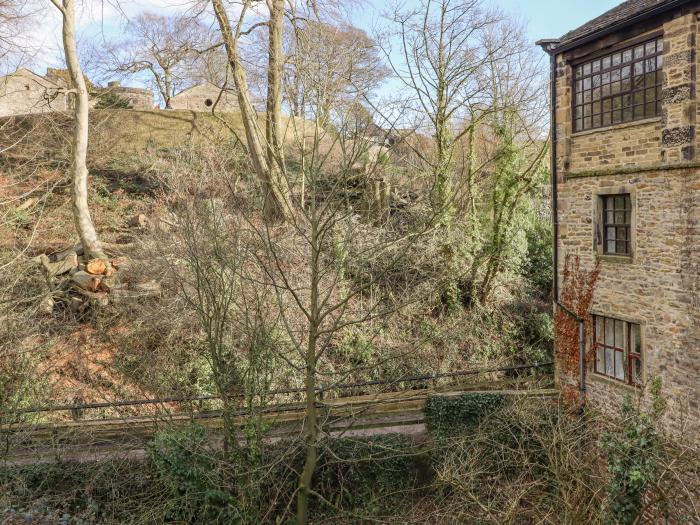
(25, 93)
(657, 288)
(138, 97)
(202, 97)
(659, 285)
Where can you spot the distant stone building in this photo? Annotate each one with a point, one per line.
(24, 92)
(626, 188)
(202, 97)
(139, 98)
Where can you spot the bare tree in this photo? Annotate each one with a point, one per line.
(164, 47)
(272, 176)
(9, 20)
(343, 282)
(81, 211)
(440, 43)
(473, 87)
(515, 154)
(15, 16)
(343, 56)
(275, 71)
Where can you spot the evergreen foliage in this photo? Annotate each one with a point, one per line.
(632, 452)
(446, 415)
(111, 100)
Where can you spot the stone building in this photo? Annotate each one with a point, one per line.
(24, 92)
(626, 187)
(138, 98)
(202, 97)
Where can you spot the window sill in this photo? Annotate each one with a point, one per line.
(598, 378)
(616, 259)
(614, 127)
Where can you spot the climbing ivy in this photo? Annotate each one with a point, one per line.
(632, 452)
(186, 470)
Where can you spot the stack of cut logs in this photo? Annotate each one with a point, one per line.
(81, 283)
(84, 284)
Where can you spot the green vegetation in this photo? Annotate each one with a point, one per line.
(111, 100)
(491, 460)
(266, 269)
(633, 454)
(446, 416)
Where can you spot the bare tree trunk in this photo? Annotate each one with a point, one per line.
(81, 211)
(273, 129)
(310, 435)
(311, 423)
(275, 186)
(168, 89)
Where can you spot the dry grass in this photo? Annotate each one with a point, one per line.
(117, 133)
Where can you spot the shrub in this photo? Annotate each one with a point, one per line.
(633, 451)
(356, 479)
(537, 267)
(111, 100)
(188, 472)
(444, 415)
(528, 462)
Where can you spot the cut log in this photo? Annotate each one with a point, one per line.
(100, 298)
(139, 221)
(107, 283)
(53, 269)
(151, 288)
(121, 292)
(46, 305)
(108, 247)
(77, 305)
(96, 267)
(118, 262)
(27, 204)
(58, 256)
(86, 281)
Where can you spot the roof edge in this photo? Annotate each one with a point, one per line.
(546, 44)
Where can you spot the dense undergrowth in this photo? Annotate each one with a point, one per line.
(486, 460)
(513, 327)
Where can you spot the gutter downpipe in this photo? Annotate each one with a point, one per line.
(555, 206)
(549, 46)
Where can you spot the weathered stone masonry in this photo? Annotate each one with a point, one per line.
(656, 161)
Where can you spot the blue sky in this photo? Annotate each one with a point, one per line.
(543, 18)
(551, 19)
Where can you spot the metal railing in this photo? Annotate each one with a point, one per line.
(319, 390)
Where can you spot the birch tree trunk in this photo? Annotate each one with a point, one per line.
(277, 207)
(81, 211)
